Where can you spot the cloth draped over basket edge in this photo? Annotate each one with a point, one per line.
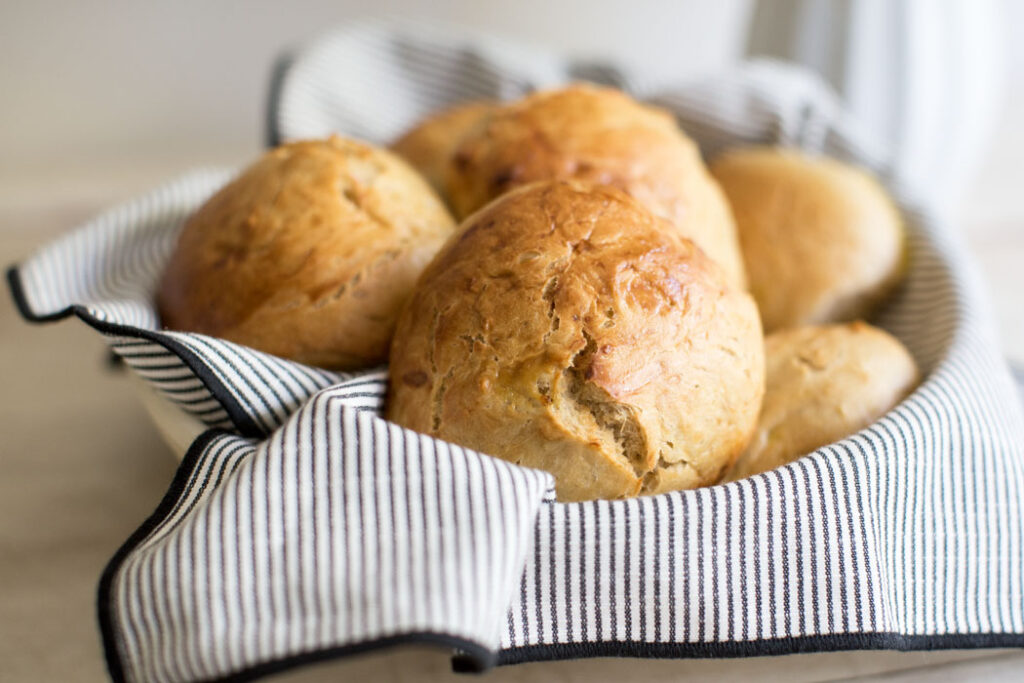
(304, 526)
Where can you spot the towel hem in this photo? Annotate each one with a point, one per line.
(472, 656)
(760, 648)
(239, 418)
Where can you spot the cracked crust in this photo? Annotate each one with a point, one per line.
(822, 241)
(597, 135)
(309, 254)
(823, 384)
(565, 329)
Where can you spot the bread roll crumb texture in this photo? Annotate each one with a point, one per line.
(566, 329)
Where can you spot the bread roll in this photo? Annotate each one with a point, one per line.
(309, 254)
(565, 328)
(823, 384)
(821, 240)
(597, 135)
(429, 145)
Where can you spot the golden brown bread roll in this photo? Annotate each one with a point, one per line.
(309, 254)
(597, 135)
(429, 145)
(565, 328)
(823, 384)
(821, 240)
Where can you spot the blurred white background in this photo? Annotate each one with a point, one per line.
(156, 84)
(103, 99)
(151, 85)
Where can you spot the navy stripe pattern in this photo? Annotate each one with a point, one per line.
(340, 528)
(311, 527)
(106, 272)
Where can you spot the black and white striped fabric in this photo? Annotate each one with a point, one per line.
(105, 273)
(303, 526)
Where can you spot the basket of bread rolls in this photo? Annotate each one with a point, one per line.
(667, 373)
(560, 281)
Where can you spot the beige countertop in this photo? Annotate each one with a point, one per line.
(81, 466)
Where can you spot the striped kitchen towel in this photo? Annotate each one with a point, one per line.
(303, 526)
